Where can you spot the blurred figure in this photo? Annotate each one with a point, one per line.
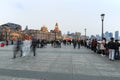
(94, 45)
(87, 43)
(52, 43)
(74, 44)
(12, 42)
(38, 43)
(111, 46)
(117, 44)
(17, 49)
(26, 47)
(6, 42)
(102, 46)
(33, 46)
(78, 44)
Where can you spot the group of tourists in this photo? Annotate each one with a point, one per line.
(56, 43)
(24, 47)
(110, 49)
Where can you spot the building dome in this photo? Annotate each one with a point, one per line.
(44, 29)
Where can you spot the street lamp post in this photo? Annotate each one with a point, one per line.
(85, 33)
(102, 19)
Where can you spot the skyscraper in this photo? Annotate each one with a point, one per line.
(110, 34)
(116, 34)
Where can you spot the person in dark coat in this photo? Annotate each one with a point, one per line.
(117, 44)
(78, 44)
(17, 49)
(111, 46)
(6, 42)
(74, 44)
(94, 45)
(12, 42)
(33, 46)
(38, 43)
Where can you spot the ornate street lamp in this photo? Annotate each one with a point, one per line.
(102, 19)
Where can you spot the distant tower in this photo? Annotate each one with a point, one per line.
(68, 33)
(56, 24)
(26, 28)
(56, 28)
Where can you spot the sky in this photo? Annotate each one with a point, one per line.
(71, 15)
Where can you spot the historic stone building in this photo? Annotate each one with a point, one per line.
(43, 33)
(10, 31)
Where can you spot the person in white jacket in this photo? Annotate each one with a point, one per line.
(102, 46)
(26, 47)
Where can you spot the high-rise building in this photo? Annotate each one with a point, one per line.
(110, 34)
(98, 37)
(116, 34)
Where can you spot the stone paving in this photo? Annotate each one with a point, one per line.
(63, 63)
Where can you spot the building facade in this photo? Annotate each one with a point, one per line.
(43, 33)
(10, 31)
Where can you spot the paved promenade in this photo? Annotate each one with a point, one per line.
(63, 63)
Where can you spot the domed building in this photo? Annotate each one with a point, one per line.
(44, 29)
(10, 31)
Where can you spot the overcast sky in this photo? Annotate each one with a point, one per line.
(71, 15)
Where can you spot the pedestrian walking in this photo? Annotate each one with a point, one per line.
(12, 42)
(102, 46)
(78, 44)
(33, 46)
(74, 44)
(6, 42)
(17, 49)
(111, 46)
(94, 45)
(26, 47)
(38, 43)
(117, 45)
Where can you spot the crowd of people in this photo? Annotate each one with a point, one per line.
(24, 47)
(110, 49)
